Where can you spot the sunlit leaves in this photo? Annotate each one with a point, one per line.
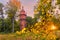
(58, 1)
(43, 15)
(16, 3)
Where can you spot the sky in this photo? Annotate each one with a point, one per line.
(28, 6)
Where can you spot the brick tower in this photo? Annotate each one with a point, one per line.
(22, 19)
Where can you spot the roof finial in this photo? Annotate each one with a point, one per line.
(22, 7)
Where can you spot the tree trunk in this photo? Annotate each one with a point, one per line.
(13, 24)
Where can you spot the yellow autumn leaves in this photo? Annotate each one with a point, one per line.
(20, 32)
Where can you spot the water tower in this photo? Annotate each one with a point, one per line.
(22, 18)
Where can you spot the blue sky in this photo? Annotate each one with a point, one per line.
(28, 5)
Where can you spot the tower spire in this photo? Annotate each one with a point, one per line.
(22, 8)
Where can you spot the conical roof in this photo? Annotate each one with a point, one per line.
(22, 10)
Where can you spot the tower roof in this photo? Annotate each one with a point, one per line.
(22, 10)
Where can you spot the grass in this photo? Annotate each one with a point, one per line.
(26, 36)
(9, 37)
(14, 36)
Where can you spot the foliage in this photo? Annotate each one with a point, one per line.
(58, 1)
(43, 13)
(41, 36)
(2, 17)
(8, 26)
(44, 17)
(11, 11)
(56, 22)
(30, 22)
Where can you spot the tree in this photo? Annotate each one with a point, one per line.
(29, 21)
(58, 1)
(12, 9)
(2, 17)
(43, 12)
(8, 26)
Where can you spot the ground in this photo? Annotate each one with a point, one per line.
(9, 37)
(29, 36)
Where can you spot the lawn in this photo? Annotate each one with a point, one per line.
(28, 36)
(15, 37)
(9, 37)
(24, 36)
